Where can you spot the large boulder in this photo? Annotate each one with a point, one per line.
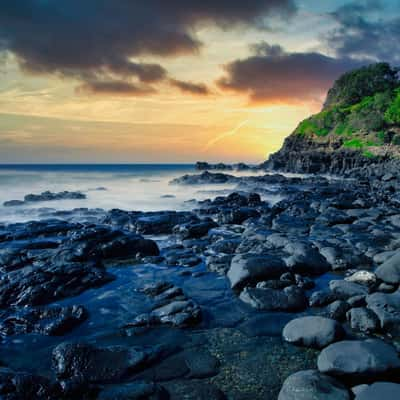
(389, 271)
(359, 359)
(251, 268)
(312, 385)
(313, 331)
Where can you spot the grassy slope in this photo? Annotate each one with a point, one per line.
(365, 124)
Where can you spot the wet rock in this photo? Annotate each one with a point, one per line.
(194, 230)
(42, 284)
(363, 319)
(290, 298)
(322, 298)
(344, 289)
(389, 271)
(305, 259)
(219, 263)
(52, 321)
(359, 359)
(25, 386)
(337, 310)
(97, 364)
(357, 301)
(387, 308)
(307, 385)
(171, 307)
(316, 332)
(251, 268)
(163, 222)
(379, 390)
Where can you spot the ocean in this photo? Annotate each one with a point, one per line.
(141, 187)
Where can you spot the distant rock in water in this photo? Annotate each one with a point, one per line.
(45, 196)
(205, 166)
(358, 126)
(204, 178)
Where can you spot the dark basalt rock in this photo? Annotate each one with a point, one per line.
(204, 178)
(98, 365)
(194, 230)
(252, 268)
(25, 386)
(205, 166)
(44, 283)
(171, 307)
(52, 321)
(46, 196)
(290, 298)
(304, 155)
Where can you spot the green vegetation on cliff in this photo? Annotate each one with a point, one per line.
(362, 110)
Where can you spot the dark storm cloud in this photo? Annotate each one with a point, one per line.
(274, 75)
(361, 35)
(190, 87)
(100, 37)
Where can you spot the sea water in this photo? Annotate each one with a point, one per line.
(141, 187)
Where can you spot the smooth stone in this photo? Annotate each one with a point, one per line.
(358, 358)
(316, 332)
(380, 391)
(389, 271)
(312, 385)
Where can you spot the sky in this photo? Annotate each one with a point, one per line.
(133, 81)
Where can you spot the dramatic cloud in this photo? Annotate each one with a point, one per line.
(360, 35)
(99, 39)
(274, 75)
(190, 87)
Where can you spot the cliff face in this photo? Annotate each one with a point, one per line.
(359, 125)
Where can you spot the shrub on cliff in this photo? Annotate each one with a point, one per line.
(353, 86)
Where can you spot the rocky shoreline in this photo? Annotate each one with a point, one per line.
(239, 298)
